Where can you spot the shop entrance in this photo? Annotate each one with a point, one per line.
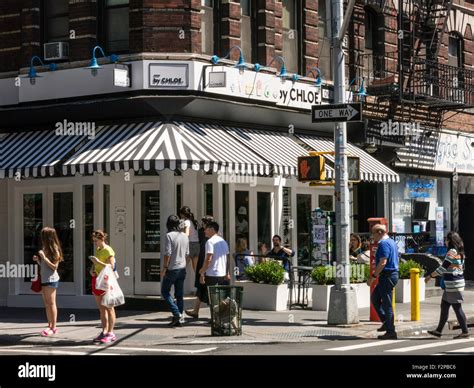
(147, 239)
(53, 207)
(466, 230)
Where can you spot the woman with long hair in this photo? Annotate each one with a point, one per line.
(190, 229)
(452, 274)
(242, 257)
(104, 255)
(49, 258)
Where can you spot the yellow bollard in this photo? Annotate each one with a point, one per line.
(394, 305)
(415, 294)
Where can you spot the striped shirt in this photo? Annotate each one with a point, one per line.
(452, 271)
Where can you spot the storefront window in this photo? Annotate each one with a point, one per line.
(107, 209)
(264, 218)
(303, 206)
(225, 211)
(150, 221)
(88, 225)
(241, 215)
(421, 204)
(179, 198)
(208, 199)
(63, 223)
(32, 225)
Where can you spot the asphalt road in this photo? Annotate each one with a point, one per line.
(422, 344)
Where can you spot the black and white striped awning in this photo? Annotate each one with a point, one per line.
(371, 169)
(35, 153)
(156, 145)
(278, 147)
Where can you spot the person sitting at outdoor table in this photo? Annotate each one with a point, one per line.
(243, 258)
(282, 253)
(364, 256)
(355, 247)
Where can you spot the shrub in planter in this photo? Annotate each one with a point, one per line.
(269, 272)
(405, 267)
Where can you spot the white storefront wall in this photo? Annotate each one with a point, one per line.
(124, 224)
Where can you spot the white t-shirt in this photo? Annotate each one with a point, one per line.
(219, 249)
(193, 234)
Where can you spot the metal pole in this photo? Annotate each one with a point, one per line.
(343, 302)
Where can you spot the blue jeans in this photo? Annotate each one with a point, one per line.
(382, 299)
(174, 277)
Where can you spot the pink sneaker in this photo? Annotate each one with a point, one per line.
(49, 332)
(109, 337)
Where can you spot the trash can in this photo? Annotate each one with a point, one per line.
(226, 310)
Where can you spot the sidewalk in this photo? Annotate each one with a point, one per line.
(19, 326)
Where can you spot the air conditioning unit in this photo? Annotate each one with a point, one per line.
(56, 51)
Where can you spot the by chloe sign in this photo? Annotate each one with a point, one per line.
(168, 75)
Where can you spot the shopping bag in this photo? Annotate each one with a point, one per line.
(102, 280)
(36, 284)
(113, 296)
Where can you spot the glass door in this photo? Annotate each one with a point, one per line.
(147, 239)
(51, 207)
(60, 216)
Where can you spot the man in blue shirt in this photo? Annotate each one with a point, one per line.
(386, 261)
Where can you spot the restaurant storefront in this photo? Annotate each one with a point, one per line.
(131, 174)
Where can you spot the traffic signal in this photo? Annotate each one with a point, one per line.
(353, 168)
(311, 168)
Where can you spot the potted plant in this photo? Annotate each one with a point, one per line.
(324, 278)
(403, 287)
(264, 289)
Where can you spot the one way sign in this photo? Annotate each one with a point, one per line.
(338, 112)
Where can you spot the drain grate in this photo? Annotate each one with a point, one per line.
(310, 333)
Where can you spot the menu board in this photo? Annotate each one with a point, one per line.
(150, 270)
(150, 221)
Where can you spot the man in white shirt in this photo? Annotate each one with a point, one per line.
(216, 269)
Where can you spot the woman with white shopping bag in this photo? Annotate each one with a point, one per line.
(104, 260)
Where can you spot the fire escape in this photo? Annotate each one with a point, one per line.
(411, 84)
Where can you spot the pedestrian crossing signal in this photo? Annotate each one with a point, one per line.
(311, 168)
(353, 168)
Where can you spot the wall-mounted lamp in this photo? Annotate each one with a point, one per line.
(362, 91)
(283, 73)
(32, 74)
(94, 65)
(316, 75)
(241, 65)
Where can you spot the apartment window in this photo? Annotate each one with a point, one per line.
(249, 29)
(291, 35)
(116, 25)
(374, 45)
(56, 20)
(455, 51)
(324, 60)
(207, 27)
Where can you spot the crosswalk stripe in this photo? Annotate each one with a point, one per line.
(464, 350)
(366, 345)
(53, 352)
(430, 345)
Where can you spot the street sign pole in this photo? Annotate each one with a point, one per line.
(343, 303)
